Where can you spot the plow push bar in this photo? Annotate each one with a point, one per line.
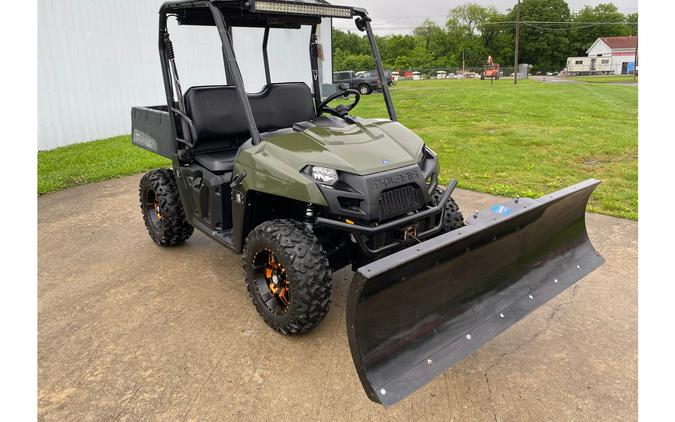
(417, 312)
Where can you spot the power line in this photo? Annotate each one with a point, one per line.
(511, 23)
(379, 17)
(515, 61)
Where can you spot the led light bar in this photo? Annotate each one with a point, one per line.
(297, 8)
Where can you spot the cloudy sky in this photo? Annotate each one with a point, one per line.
(399, 15)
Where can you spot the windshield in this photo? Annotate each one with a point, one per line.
(287, 54)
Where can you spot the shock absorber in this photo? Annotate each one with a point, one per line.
(171, 57)
(314, 55)
(309, 214)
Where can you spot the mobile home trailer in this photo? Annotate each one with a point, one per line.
(589, 66)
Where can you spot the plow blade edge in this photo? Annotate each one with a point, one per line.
(415, 313)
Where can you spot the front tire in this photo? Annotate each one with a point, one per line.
(287, 276)
(364, 89)
(453, 218)
(162, 210)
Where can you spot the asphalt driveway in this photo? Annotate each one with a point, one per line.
(132, 331)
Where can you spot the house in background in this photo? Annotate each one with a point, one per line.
(607, 55)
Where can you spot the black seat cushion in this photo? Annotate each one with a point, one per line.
(218, 161)
(220, 121)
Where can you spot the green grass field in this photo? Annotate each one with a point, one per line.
(526, 139)
(603, 79)
(523, 140)
(91, 162)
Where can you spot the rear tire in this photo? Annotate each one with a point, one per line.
(162, 210)
(287, 276)
(364, 89)
(453, 218)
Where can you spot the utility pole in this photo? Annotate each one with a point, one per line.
(635, 61)
(463, 61)
(515, 68)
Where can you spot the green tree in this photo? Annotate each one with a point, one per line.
(468, 27)
(426, 31)
(470, 18)
(582, 35)
(350, 42)
(544, 46)
(479, 31)
(499, 39)
(393, 47)
(632, 21)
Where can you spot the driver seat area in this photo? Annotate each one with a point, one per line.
(220, 121)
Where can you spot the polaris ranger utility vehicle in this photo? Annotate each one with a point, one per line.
(302, 187)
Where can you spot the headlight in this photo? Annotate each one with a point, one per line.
(324, 175)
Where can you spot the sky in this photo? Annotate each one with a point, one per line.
(396, 16)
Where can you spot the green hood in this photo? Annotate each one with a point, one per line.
(369, 146)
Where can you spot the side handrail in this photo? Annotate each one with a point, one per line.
(191, 127)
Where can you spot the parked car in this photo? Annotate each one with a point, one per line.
(372, 74)
(365, 84)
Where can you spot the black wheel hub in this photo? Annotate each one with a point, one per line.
(152, 208)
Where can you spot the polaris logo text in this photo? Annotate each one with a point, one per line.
(397, 179)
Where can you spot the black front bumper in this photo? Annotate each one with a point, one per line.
(362, 232)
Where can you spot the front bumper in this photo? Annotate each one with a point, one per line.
(362, 232)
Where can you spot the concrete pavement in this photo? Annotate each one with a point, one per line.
(131, 331)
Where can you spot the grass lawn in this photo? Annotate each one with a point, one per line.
(603, 79)
(527, 139)
(524, 140)
(91, 162)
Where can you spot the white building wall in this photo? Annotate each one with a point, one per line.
(98, 58)
(618, 56)
(599, 48)
(621, 56)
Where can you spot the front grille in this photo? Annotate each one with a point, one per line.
(397, 201)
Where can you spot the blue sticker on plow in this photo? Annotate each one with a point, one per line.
(501, 210)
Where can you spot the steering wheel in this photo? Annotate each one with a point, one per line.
(341, 110)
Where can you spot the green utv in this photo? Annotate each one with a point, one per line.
(301, 188)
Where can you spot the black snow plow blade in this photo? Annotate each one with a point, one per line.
(415, 313)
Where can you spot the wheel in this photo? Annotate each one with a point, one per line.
(287, 276)
(364, 89)
(453, 216)
(162, 210)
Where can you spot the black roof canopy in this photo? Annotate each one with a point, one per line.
(256, 13)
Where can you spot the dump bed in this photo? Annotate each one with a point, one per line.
(151, 130)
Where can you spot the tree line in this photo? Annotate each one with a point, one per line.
(549, 33)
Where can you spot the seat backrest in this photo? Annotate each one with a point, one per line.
(220, 121)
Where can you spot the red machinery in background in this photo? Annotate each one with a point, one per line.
(491, 70)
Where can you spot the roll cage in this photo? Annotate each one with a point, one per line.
(266, 14)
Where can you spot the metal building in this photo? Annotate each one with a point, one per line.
(98, 58)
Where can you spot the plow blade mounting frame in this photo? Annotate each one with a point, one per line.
(415, 313)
